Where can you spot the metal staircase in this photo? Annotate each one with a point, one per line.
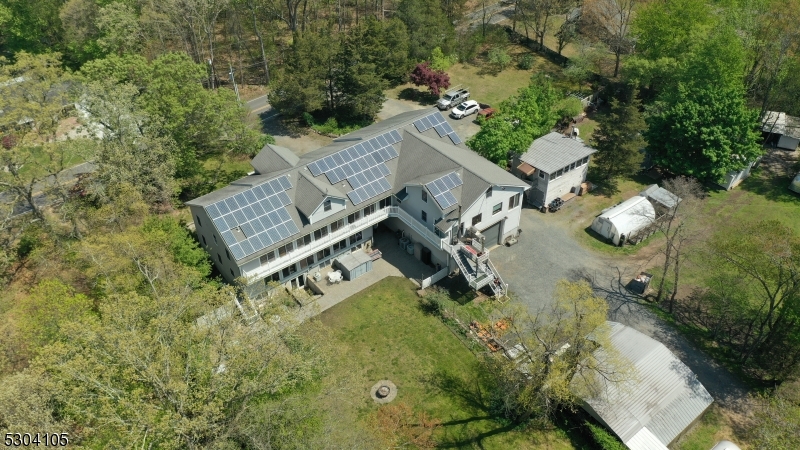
(478, 269)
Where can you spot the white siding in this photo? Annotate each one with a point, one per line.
(414, 205)
(337, 204)
(484, 207)
(565, 183)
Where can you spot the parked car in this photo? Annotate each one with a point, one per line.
(486, 111)
(452, 98)
(465, 109)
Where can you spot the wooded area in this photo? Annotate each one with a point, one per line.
(103, 285)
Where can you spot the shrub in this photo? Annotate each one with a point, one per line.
(604, 439)
(526, 62)
(441, 62)
(499, 58)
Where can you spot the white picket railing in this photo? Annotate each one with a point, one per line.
(342, 233)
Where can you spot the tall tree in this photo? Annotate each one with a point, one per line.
(703, 131)
(618, 140)
(610, 22)
(558, 363)
(521, 119)
(427, 26)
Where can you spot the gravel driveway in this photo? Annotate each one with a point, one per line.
(547, 252)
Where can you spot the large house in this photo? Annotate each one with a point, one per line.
(554, 165)
(411, 172)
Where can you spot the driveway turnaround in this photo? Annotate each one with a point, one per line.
(547, 252)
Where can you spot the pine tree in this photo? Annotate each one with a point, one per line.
(619, 141)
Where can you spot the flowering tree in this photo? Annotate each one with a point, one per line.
(435, 80)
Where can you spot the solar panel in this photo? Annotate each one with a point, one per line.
(378, 157)
(314, 169)
(362, 179)
(370, 190)
(273, 234)
(266, 222)
(228, 237)
(384, 170)
(246, 247)
(397, 137)
(441, 185)
(420, 126)
(448, 128)
(241, 200)
(392, 152)
(338, 159)
(384, 185)
(258, 227)
(353, 196)
(239, 216)
(382, 141)
(454, 138)
(433, 189)
(354, 182)
(361, 150)
(212, 211)
(250, 196)
(456, 179)
(231, 204)
(283, 231)
(237, 251)
(331, 176)
(440, 130)
(348, 170)
(426, 121)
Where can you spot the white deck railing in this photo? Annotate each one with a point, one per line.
(342, 233)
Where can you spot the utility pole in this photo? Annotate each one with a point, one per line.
(233, 79)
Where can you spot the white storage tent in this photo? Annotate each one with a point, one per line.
(625, 219)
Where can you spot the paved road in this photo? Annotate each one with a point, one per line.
(258, 104)
(547, 252)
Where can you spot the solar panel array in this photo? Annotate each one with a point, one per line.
(437, 122)
(440, 189)
(259, 213)
(362, 165)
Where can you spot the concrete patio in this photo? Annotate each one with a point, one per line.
(395, 262)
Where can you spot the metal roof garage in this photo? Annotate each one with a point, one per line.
(651, 410)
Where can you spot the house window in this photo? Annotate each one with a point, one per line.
(199, 224)
(232, 274)
(324, 253)
(270, 256)
(489, 192)
(369, 210)
(215, 238)
(585, 160)
(289, 270)
(497, 208)
(559, 173)
(356, 237)
(219, 258)
(424, 196)
(303, 264)
(228, 254)
(424, 217)
(326, 205)
(542, 175)
(321, 233)
(353, 217)
(303, 241)
(341, 245)
(384, 203)
(264, 259)
(204, 241)
(336, 225)
(572, 166)
(513, 202)
(285, 249)
(477, 219)
(310, 260)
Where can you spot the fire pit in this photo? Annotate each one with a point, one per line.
(383, 391)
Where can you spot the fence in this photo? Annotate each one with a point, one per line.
(434, 278)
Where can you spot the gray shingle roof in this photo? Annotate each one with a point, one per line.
(421, 155)
(273, 158)
(554, 151)
(313, 192)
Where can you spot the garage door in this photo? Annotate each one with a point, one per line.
(492, 234)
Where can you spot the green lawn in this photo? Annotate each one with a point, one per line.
(384, 335)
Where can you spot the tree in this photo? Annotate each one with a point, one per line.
(499, 58)
(559, 362)
(751, 303)
(618, 140)
(671, 29)
(777, 419)
(35, 97)
(434, 80)
(521, 119)
(679, 225)
(427, 26)
(610, 21)
(703, 131)
(538, 14)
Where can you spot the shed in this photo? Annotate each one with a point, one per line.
(663, 197)
(354, 265)
(781, 130)
(653, 408)
(625, 219)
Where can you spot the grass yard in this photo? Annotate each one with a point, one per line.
(384, 335)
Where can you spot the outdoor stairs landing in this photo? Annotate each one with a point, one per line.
(478, 270)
